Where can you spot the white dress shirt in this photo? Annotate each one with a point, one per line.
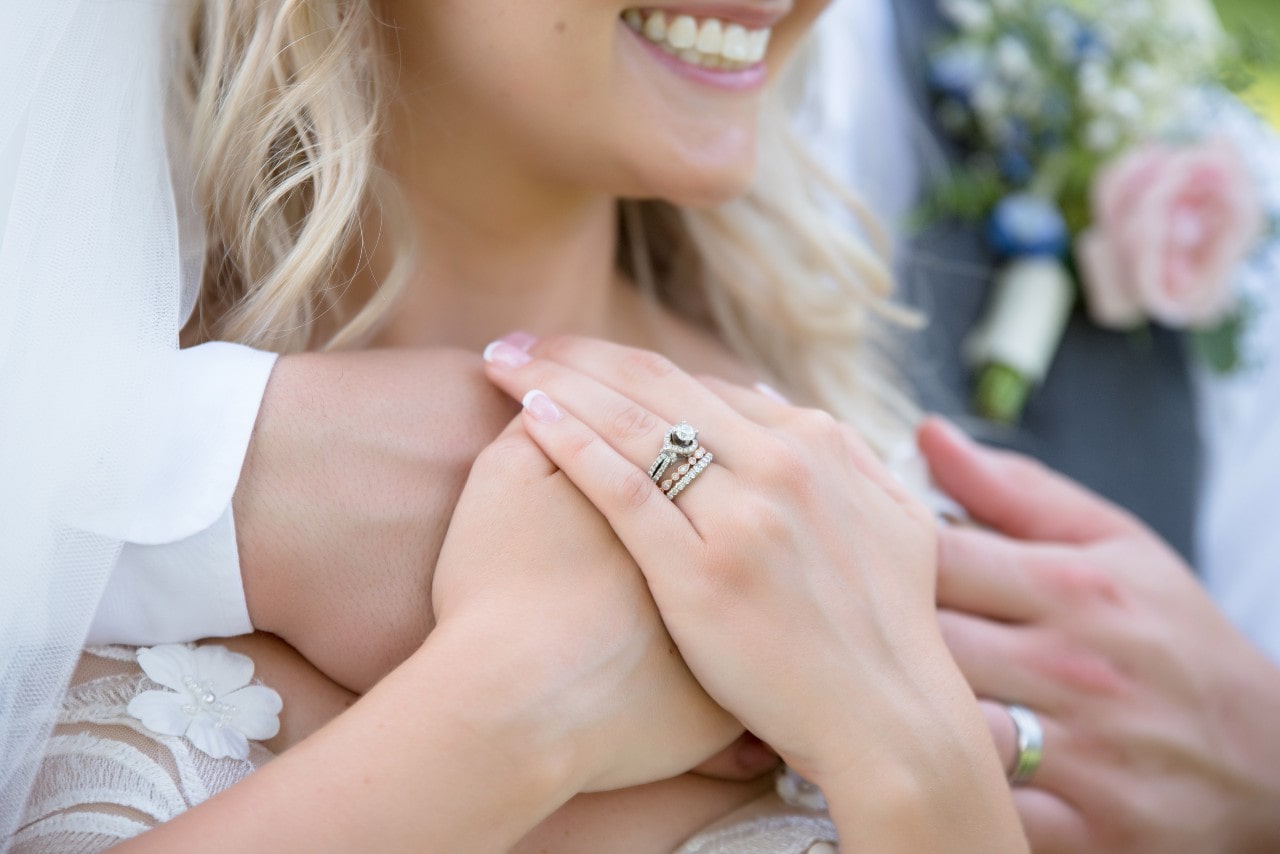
(1239, 538)
(178, 575)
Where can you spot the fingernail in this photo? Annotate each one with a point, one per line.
(769, 391)
(541, 407)
(521, 340)
(507, 355)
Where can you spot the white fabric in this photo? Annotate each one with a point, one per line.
(105, 776)
(1239, 540)
(178, 576)
(89, 312)
(175, 592)
(856, 118)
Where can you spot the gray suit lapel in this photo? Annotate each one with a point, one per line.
(1114, 413)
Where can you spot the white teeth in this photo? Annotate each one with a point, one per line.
(711, 44)
(711, 36)
(655, 29)
(736, 43)
(683, 32)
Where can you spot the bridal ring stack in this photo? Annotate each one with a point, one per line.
(1030, 744)
(680, 446)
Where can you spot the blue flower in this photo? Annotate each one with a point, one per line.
(1024, 224)
(1090, 45)
(956, 72)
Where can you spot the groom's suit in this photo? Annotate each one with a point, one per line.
(1115, 412)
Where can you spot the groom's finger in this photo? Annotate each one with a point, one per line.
(1016, 495)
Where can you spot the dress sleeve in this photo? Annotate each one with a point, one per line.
(178, 575)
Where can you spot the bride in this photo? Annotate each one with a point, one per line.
(414, 174)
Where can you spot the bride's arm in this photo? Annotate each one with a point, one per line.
(798, 578)
(505, 711)
(406, 768)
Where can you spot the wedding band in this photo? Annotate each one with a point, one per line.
(696, 465)
(1030, 744)
(681, 441)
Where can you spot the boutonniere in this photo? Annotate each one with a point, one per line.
(1073, 115)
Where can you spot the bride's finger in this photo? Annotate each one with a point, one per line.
(648, 378)
(664, 452)
(648, 523)
(761, 404)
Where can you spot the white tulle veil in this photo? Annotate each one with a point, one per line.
(92, 286)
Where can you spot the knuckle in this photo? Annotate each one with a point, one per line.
(1081, 672)
(646, 366)
(820, 426)
(632, 421)
(635, 490)
(576, 447)
(1082, 583)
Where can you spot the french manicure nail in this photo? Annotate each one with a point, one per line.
(522, 340)
(541, 407)
(507, 355)
(771, 392)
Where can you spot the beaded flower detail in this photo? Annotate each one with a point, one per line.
(209, 701)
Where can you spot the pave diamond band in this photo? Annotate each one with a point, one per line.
(696, 465)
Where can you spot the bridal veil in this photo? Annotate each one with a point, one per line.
(95, 278)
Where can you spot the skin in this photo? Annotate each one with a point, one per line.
(511, 168)
(511, 180)
(1159, 716)
(820, 639)
(510, 175)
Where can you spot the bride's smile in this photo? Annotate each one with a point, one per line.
(718, 52)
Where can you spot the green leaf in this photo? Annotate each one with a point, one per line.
(1219, 347)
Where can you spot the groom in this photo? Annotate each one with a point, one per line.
(1065, 606)
(1114, 414)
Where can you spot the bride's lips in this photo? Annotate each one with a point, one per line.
(719, 52)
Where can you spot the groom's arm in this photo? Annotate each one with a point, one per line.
(306, 496)
(352, 474)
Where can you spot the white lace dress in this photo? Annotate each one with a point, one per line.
(106, 777)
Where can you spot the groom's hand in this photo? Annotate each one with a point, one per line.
(1158, 716)
(356, 463)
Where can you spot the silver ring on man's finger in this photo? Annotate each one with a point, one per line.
(1030, 744)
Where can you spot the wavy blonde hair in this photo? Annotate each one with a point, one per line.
(286, 103)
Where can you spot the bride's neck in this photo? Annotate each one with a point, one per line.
(496, 249)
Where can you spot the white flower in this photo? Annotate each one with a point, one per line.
(990, 99)
(1101, 135)
(1012, 57)
(211, 701)
(1126, 107)
(1093, 82)
(969, 15)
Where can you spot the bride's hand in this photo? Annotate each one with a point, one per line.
(796, 574)
(565, 627)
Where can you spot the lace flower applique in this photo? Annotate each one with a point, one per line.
(210, 700)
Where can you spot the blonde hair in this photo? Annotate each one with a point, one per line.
(286, 101)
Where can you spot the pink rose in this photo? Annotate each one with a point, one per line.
(1170, 227)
